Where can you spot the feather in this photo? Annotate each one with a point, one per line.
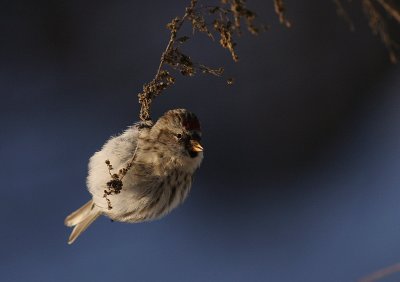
(81, 219)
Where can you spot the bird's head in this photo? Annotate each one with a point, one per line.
(179, 132)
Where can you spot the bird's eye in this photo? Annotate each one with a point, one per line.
(179, 136)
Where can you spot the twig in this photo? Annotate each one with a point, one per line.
(341, 11)
(280, 10)
(114, 186)
(129, 165)
(382, 273)
(158, 84)
(378, 27)
(174, 31)
(390, 10)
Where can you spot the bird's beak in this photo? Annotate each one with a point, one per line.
(195, 146)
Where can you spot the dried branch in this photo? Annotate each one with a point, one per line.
(114, 186)
(226, 21)
(162, 79)
(382, 273)
(378, 26)
(225, 29)
(390, 10)
(341, 11)
(280, 11)
(376, 12)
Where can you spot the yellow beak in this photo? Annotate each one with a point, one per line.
(196, 147)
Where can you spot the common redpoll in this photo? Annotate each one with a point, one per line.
(165, 156)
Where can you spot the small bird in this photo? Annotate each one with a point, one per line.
(158, 161)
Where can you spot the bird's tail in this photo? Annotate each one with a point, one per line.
(81, 219)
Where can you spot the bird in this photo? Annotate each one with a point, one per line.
(157, 162)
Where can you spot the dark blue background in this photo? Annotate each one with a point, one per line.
(300, 180)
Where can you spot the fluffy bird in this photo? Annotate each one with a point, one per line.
(165, 156)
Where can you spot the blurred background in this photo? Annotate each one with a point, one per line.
(300, 180)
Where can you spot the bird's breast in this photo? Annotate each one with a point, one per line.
(167, 194)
